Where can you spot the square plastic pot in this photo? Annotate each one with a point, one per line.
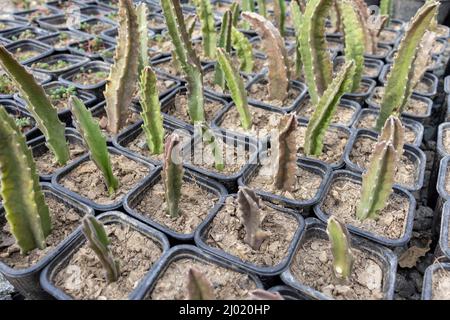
(41, 78)
(133, 198)
(14, 109)
(61, 173)
(42, 50)
(412, 125)
(202, 233)
(28, 16)
(432, 68)
(158, 18)
(368, 85)
(427, 288)
(443, 167)
(287, 293)
(395, 41)
(79, 240)
(74, 48)
(356, 178)
(110, 4)
(75, 63)
(95, 11)
(26, 281)
(11, 25)
(92, 21)
(387, 49)
(443, 127)
(447, 85)
(443, 238)
(368, 62)
(75, 37)
(62, 5)
(11, 36)
(315, 229)
(56, 22)
(413, 153)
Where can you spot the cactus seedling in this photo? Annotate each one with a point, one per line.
(39, 105)
(172, 174)
(285, 154)
(121, 82)
(279, 10)
(141, 12)
(237, 88)
(210, 138)
(297, 20)
(225, 44)
(393, 131)
(249, 208)
(26, 211)
(243, 49)
(398, 88)
(325, 109)
(235, 9)
(341, 249)
(422, 61)
(98, 241)
(198, 286)
(276, 55)
(151, 111)
(205, 13)
(95, 141)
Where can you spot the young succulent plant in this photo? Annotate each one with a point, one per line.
(39, 105)
(199, 287)
(121, 83)
(398, 88)
(423, 59)
(341, 249)
(379, 178)
(243, 49)
(95, 142)
(314, 51)
(277, 58)
(225, 44)
(209, 137)
(209, 36)
(172, 174)
(98, 241)
(297, 20)
(251, 215)
(141, 13)
(186, 57)
(236, 86)
(26, 211)
(151, 111)
(285, 154)
(279, 10)
(325, 109)
(247, 6)
(235, 9)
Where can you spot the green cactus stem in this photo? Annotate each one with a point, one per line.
(187, 58)
(285, 154)
(325, 109)
(314, 50)
(225, 44)
(98, 241)
(297, 20)
(209, 37)
(341, 249)
(402, 71)
(354, 40)
(251, 215)
(142, 12)
(279, 10)
(26, 211)
(39, 105)
(172, 174)
(237, 88)
(151, 111)
(394, 132)
(95, 142)
(276, 55)
(262, 8)
(386, 7)
(243, 49)
(211, 140)
(423, 59)
(235, 9)
(121, 83)
(198, 286)
(191, 20)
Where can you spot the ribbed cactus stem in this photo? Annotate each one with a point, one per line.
(172, 174)
(297, 20)
(151, 111)
(325, 109)
(121, 83)
(262, 9)
(38, 104)
(210, 138)
(225, 44)
(141, 13)
(285, 154)
(198, 286)
(243, 49)
(237, 88)
(422, 61)
(98, 241)
(276, 55)
(394, 132)
(95, 142)
(205, 14)
(26, 211)
(191, 20)
(279, 10)
(398, 89)
(235, 9)
(251, 215)
(340, 248)
(314, 50)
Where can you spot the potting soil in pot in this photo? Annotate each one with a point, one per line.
(413, 106)
(47, 164)
(342, 116)
(260, 92)
(441, 285)
(179, 109)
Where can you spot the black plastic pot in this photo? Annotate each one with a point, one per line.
(397, 24)
(95, 11)
(444, 44)
(412, 125)
(12, 36)
(75, 62)
(26, 281)
(432, 68)
(57, 22)
(441, 182)
(315, 229)
(316, 167)
(415, 154)
(133, 198)
(77, 48)
(40, 77)
(447, 85)
(110, 4)
(356, 178)
(287, 293)
(15, 110)
(38, 147)
(31, 15)
(61, 173)
(442, 151)
(368, 85)
(192, 252)
(368, 62)
(202, 233)
(443, 238)
(79, 240)
(387, 51)
(423, 118)
(159, 18)
(93, 66)
(11, 25)
(427, 288)
(53, 40)
(428, 78)
(92, 21)
(354, 106)
(394, 42)
(62, 5)
(41, 49)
